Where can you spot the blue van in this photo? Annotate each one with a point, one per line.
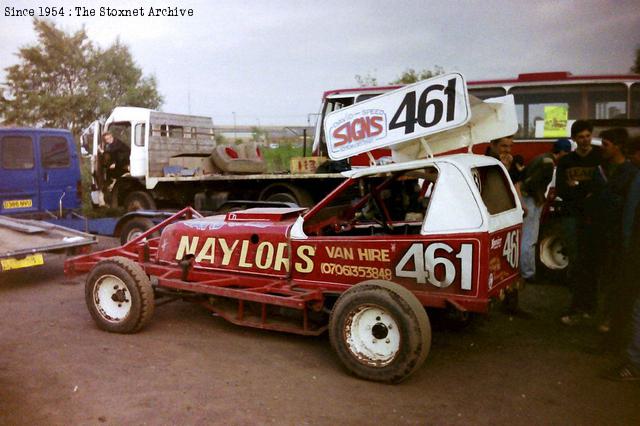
(39, 172)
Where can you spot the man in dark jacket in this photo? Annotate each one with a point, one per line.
(533, 186)
(116, 156)
(617, 174)
(576, 185)
(630, 369)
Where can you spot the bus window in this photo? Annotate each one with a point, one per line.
(361, 98)
(607, 101)
(635, 100)
(600, 101)
(492, 92)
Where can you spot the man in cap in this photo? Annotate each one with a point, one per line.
(533, 187)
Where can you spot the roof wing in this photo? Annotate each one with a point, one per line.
(410, 112)
(492, 118)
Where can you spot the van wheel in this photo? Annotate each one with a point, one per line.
(119, 295)
(134, 227)
(139, 200)
(380, 331)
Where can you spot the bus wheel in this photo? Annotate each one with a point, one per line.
(380, 331)
(139, 200)
(119, 295)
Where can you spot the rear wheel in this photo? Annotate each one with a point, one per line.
(552, 252)
(119, 295)
(380, 331)
(139, 200)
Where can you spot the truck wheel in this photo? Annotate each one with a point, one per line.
(139, 200)
(135, 227)
(119, 295)
(380, 331)
(287, 194)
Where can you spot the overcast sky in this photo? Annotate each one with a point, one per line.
(270, 61)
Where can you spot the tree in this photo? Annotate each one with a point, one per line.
(636, 66)
(65, 81)
(366, 80)
(410, 75)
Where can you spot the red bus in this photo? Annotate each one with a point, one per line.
(593, 97)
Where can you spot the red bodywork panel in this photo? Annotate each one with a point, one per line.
(278, 258)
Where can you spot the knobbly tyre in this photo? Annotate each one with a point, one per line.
(363, 263)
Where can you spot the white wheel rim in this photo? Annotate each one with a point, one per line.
(551, 253)
(112, 298)
(372, 335)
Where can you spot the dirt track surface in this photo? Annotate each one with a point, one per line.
(188, 367)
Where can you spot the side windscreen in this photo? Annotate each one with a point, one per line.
(55, 152)
(494, 189)
(17, 152)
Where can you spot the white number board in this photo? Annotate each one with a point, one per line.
(411, 112)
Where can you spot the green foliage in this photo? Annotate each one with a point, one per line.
(366, 80)
(636, 66)
(410, 75)
(65, 81)
(279, 159)
(258, 135)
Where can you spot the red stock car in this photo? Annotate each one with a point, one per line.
(364, 263)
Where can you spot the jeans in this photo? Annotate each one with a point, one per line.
(583, 250)
(633, 351)
(530, 231)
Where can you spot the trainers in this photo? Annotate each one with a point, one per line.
(625, 373)
(604, 327)
(574, 319)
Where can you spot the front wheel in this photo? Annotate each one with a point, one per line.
(119, 295)
(380, 331)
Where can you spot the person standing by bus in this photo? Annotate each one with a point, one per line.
(576, 186)
(618, 173)
(535, 179)
(630, 369)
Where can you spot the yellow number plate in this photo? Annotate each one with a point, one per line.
(17, 204)
(26, 262)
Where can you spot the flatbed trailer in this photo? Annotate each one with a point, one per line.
(23, 242)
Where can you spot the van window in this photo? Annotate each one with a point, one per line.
(494, 189)
(17, 152)
(54, 152)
